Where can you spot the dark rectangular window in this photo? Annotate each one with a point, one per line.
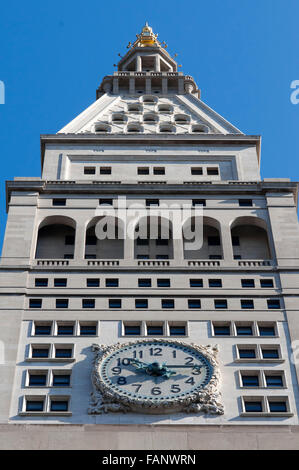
(270, 353)
(90, 256)
(247, 283)
(35, 303)
(162, 242)
(212, 171)
(163, 282)
(196, 171)
(247, 303)
(91, 240)
(194, 303)
(63, 352)
(114, 303)
(245, 202)
(220, 303)
(142, 242)
(60, 282)
(141, 303)
(37, 380)
(196, 283)
(68, 256)
(266, 330)
(235, 240)
(144, 283)
(89, 170)
(132, 330)
(111, 282)
(177, 330)
(59, 405)
(215, 283)
(41, 282)
(61, 380)
(244, 330)
(62, 303)
(167, 303)
(42, 330)
(154, 330)
(106, 202)
(274, 380)
(162, 256)
(159, 170)
(223, 330)
(247, 353)
(88, 303)
(34, 405)
(250, 380)
(214, 241)
(143, 171)
(253, 406)
(69, 240)
(152, 202)
(93, 282)
(105, 170)
(65, 330)
(267, 283)
(277, 406)
(198, 202)
(40, 352)
(58, 202)
(88, 330)
(273, 303)
(237, 257)
(142, 256)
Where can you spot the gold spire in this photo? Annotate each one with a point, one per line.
(146, 38)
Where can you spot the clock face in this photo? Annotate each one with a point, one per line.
(155, 370)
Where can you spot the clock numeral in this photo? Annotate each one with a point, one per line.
(155, 351)
(138, 354)
(196, 370)
(175, 389)
(138, 387)
(174, 354)
(121, 380)
(190, 381)
(156, 391)
(189, 360)
(116, 370)
(125, 361)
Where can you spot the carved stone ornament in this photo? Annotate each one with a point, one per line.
(107, 397)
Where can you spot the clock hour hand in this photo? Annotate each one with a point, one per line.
(154, 368)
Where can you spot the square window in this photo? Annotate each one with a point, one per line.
(177, 330)
(235, 240)
(141, 303)
(60, 282)
(194, 303)
(247, 303)
(60, 380)
(270, 353)
(245, 202)
(144, 283)
(214, 241)
(220, 303)
(132, 330)
(88, 330)
(167, 303)
(163, 282)
(212, 171)
(105, 170)
(106, 202)
(196, 171)
(88, 303)
(143, 171)
(221, 330)
(159, 170)
(58, 202)
(63, 330)
(196, 283)
(253, 406)
(91, 240)
(62, 303)
(267, 283)
(215, 283)
(40, 352)
(267, 330)
(111, 282)
(152, 202)
(69, 240)
(244, 330)
(89, 170)
(273, 303)
(63, 352)
(61, 405)
(274, 381)
(35, 303)
(198, 202)
(41, 282)
(277, 406)
(114, 303)
(153, 330)
(247, 283)
(250, 380)
(37, 380)
(34, 405)
(247, 353)
(42, 330)
(93, 282)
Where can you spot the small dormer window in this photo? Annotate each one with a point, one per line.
(135, 108)
(200, 129)
(150, 118)
(102, 128)
(182, 118)
(165, 108)
(118, 118)
(167, 128)
(149, 99)
(134, 128)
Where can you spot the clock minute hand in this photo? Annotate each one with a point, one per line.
(184, 366)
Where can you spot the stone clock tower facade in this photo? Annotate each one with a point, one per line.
(149, 278)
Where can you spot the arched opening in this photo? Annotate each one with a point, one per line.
(201, 238)
(153, 238)
(250, 238)
(104, 238)
(56, 238)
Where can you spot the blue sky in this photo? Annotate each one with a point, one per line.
(242, 54)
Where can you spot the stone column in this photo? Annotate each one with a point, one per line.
(148, 85)
(79, 251)
(157, 63)
(164, 86)
(138, 64)
(227, 248)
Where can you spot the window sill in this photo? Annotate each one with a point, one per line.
(247, 414)
(260, 360)
(45, 413)
(50, 359)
